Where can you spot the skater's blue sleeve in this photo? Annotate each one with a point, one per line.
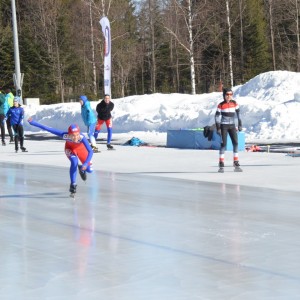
(90, 152)
(57, 132)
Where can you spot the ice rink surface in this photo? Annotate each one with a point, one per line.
(150, 223)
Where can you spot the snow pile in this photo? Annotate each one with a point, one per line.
(270, 108)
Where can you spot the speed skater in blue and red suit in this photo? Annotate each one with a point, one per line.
(77, 148)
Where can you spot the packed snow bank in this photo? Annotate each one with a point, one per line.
(269, 106)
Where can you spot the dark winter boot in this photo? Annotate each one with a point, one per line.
(110, 147)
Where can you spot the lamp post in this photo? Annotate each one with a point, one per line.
(18, 77)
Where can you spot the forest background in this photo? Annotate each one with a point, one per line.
(158, 46)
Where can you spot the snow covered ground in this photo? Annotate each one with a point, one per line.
(269, 103)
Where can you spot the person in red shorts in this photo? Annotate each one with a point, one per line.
(77, 148)
(104, 109)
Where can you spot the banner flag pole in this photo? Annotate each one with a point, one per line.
(104, 22)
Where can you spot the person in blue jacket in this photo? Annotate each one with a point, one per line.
(16, 115)
(89, 120)
(77, 148)
(3, 111)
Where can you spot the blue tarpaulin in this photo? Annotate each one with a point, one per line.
(195, 139)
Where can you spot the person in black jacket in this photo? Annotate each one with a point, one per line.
(104, 109)
(225, 124)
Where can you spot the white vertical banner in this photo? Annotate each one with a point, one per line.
(104, 22)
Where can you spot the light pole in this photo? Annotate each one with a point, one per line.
(18, 77)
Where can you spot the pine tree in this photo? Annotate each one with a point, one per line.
(257, 50)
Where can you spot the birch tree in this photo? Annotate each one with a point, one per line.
(184, 11)
(270, 9)
(241, 9)
(93, 62)
(48, 24)
(229, 42)
(297, 32)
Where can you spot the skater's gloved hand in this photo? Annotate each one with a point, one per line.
(83, 167)
(30, 120)
(218, 127)
(240, 128)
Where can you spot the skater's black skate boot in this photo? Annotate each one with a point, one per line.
(17, 149)
(237, 167)
(109, 147)
(23, 149)
(3, 143)
(72, 188)
(221, 167)
(82, 173)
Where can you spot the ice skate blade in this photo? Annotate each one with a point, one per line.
(221, 170)
(238, 170)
